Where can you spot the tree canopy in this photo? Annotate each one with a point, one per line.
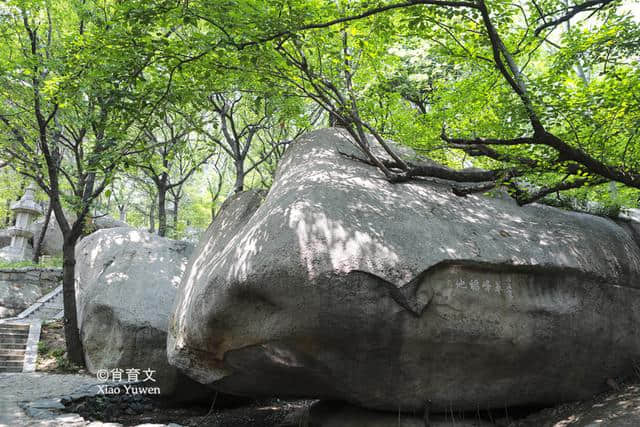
(543, 96)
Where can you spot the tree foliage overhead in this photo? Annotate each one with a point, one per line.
(543, 93)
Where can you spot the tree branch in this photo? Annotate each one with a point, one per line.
(524, 198)
(365, 14)
(587, 6)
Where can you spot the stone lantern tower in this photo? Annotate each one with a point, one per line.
(26, 209)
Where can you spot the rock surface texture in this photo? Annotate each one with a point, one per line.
(21, 287)
(126, 283)
(340, 285)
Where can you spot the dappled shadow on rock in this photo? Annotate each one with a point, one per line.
(126, 283)
(341, 285)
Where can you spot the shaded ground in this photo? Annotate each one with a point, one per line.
(618, 408)
(44, 399)
(28, 399)
(135, 410)
(33, 387)
(52, 355)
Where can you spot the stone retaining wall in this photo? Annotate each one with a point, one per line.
(21, 287)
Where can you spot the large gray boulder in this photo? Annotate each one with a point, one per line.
(343, 286)
(126, 283)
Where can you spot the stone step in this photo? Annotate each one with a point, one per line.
(14, 333)
(13, 338)
(8, 369)
(11, 352)
(11, 364)
(12, 346)
(12, 358)
(13, 328)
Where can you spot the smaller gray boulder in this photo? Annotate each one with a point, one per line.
(126, 282)
(16, 297)
(21, 287)
(104, 222)
(53, 239)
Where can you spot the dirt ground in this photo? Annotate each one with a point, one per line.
(52, 355)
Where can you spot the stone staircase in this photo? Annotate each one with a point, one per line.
(50, 309)
(13, 345)
(19, 335)
(46, 308)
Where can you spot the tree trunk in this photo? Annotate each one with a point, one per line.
(7, 218)
(239, 185)
(122, 210)
(335, 121)
(152, 217)
(162, 213)
(176, 203)
(71, 331)
(37, 250)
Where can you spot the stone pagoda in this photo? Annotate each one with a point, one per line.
(26, 210)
